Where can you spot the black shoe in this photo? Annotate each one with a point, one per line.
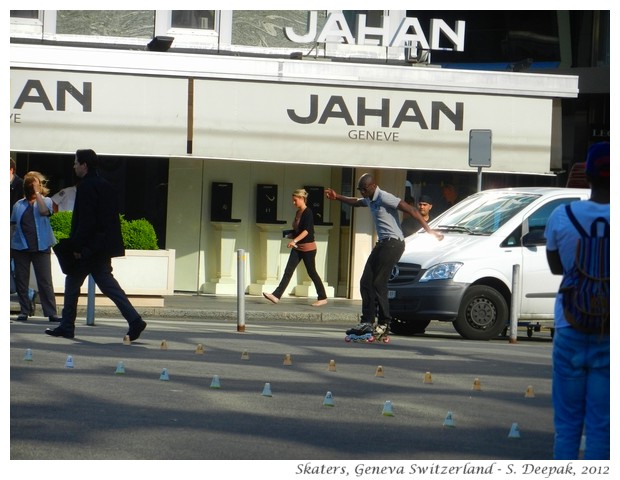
(54, 318)
(22, 317)
(135, 329)
(61, 332)
(360, 329)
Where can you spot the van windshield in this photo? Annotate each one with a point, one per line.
(483, 213)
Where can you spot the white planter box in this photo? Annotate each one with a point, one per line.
(141, 273)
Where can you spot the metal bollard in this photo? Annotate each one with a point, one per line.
(241, 290)
(514, 302)
(90, 306)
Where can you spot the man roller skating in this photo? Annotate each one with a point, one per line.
(385, 254)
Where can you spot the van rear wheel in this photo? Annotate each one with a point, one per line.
(483, 313)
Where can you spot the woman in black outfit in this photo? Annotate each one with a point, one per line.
(303, 247)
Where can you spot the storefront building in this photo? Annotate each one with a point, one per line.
(208, 127)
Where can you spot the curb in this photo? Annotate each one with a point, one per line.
(231, 315)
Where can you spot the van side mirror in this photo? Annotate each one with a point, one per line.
(535, 238)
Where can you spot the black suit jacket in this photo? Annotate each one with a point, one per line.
(95, 226)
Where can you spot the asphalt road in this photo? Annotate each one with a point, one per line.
(92, 412)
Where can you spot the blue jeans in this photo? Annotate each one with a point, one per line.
(580, 394)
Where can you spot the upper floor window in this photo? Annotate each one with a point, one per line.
(106, 23)
(27, 23)
(193, 19)
(33, 14)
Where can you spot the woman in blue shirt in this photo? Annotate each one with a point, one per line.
(31, 244)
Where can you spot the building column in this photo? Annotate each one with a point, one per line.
(225, 281)
(270, 242)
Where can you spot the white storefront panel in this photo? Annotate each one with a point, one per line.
(59, 111)
(136, 103)
(331, 125)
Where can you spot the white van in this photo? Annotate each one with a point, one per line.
(466, 278)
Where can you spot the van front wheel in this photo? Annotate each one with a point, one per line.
(483, 314)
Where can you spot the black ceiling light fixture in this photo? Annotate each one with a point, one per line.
(160, 43)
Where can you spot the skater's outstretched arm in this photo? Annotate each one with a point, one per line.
(354, 202)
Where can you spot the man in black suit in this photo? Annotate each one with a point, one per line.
(95, 238)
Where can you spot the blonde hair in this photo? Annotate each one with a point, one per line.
(301, 193)
(28, 184)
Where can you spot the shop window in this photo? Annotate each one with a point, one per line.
(193, 19)
(141, 182)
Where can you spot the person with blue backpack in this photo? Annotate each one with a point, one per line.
(578, 248)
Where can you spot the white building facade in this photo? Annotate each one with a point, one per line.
(243, 126)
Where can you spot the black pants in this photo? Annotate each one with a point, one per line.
(309, 261)
(373, 284)
(101, 270)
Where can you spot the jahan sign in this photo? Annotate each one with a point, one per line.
(408, 33)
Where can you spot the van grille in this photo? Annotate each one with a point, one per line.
(404, 273)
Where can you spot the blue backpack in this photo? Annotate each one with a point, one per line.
(585, 287)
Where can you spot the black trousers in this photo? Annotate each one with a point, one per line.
(101, 270)
(373, 284)
(309, 261)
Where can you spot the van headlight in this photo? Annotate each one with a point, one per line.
(441, 271)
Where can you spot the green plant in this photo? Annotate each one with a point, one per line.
(61, 224)
(137, 234)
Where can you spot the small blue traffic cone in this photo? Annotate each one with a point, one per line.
(215, 382)
(388, 409)
(449, 420)
(267, 390)
(514, 431)
(120, 368)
